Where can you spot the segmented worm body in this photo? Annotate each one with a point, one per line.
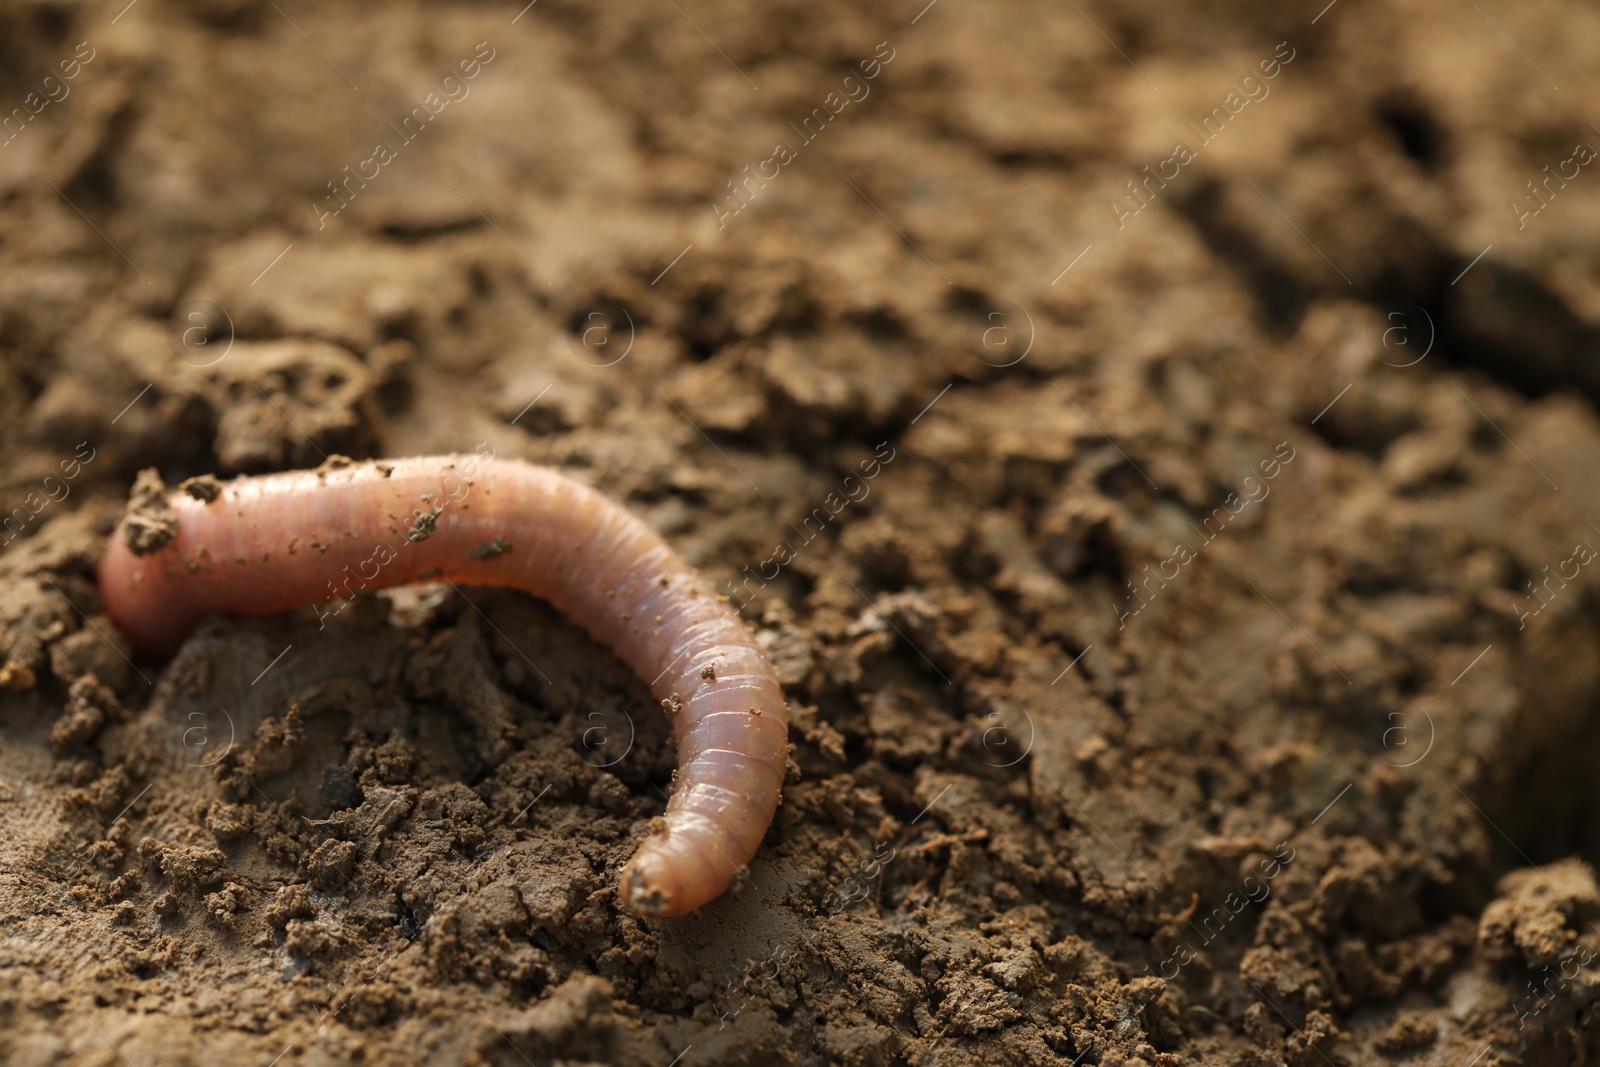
(282, 541)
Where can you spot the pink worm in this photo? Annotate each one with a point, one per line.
(283, 541)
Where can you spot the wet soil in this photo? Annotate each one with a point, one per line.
(1204, 673)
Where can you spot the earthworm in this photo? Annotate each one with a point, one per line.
(265, 544)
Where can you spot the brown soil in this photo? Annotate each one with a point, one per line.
(1319, 789)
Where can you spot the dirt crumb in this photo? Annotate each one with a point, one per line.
(499, 546)
(204, 488)
(90, 706)
(149, 524)
(1540, 914)
(1409, 1033)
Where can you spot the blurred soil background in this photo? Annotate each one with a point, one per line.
(1206, 672)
